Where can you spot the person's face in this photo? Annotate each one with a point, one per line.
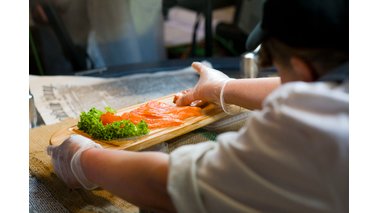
(285, 72)
(295, 69)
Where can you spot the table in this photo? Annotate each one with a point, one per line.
(48, 194)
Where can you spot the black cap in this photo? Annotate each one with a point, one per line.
(304, 24)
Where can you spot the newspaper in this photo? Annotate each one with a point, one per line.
(59, 97)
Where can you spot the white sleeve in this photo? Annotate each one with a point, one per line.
(182, 180)
(286, 159)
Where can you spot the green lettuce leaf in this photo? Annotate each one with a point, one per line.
(91, 124)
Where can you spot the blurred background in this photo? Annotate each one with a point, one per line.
(69, 37)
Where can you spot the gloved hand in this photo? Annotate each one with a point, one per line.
(66, 161)
(207, 88)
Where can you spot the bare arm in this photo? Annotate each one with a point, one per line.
(138, 177)
(250, 93)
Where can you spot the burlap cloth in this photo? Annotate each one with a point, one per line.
(47, 193)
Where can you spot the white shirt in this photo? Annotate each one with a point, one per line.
(292, 156)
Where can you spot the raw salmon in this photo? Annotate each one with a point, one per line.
(155, 114)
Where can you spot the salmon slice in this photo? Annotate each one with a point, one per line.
(110, 117)
(155, 114)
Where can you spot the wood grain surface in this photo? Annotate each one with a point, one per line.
(210, 114)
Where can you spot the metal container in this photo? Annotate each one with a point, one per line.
(249, 66)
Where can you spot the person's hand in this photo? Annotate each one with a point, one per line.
(207, 88)
(66, 161)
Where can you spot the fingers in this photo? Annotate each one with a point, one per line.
(71, 144)
(184, 99)
(198, 103)
(199, 67)
(180, 94)
(80, 140)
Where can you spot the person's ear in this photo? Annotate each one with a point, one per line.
(302, 69)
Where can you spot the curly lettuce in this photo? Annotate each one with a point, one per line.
(90, 123)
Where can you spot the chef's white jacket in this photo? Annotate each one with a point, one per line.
(291, 156)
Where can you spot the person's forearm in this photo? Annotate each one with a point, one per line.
(138, 177)
(250, 93)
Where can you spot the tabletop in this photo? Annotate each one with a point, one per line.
(48, 194)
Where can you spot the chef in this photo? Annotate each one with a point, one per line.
(292, 153)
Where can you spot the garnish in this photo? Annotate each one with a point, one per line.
(91, 123)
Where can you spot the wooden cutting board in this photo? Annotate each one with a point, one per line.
(210, 114)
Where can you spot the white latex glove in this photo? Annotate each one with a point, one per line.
(207, 88)
(66, 161)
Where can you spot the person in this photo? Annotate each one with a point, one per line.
(292, 153)
(112, 33)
